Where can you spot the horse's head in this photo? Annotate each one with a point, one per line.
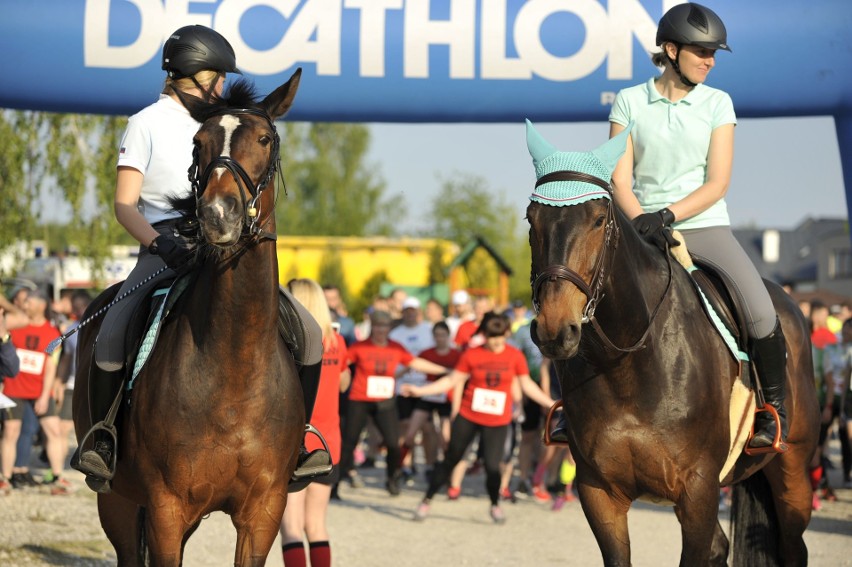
(235, 158)
(573, 234)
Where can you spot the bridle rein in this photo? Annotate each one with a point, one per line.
(251, 205)
(594, 290)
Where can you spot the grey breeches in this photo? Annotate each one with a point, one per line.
(718, 246)
(110, 347)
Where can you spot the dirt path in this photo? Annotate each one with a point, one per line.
(370, 528)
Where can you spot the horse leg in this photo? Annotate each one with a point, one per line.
(607, 516)
(167, 525)
(697, 509)
(791, 493)
(720, 547)
(120, 522)
(257, 527)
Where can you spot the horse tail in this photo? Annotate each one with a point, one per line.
(142, 538)
(754, 525)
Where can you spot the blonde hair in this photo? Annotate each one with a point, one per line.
(205, 78)
(310, 295)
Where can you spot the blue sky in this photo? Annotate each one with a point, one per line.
(785, 169)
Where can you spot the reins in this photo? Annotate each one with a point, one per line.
(594, 291)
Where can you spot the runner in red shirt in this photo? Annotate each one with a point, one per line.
(493, 375)
(377, 362)
(305, 515)
(445, 355)
(33, 386)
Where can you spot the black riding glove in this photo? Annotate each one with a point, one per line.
(173, 252)
(656, 228)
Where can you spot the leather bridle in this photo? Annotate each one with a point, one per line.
(251, 205)
(594, 289)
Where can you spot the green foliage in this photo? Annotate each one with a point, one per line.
(57, 177)
(466, 207)
(330, 190)
(331, 272)
(437, 269)
(369, 291)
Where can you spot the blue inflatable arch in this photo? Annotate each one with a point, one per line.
(429, 60)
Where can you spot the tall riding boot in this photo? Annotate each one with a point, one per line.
(318, 462)
(770, 360)
(98, 461)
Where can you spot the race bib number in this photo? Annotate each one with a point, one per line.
(32, 361)
(488, 401)
(380, 387)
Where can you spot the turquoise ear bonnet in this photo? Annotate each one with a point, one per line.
(600, 163)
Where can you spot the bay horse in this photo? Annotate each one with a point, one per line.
(647, 380)
(216, 417)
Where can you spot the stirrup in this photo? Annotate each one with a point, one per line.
(547, 426)
(75, 461)
(777, 446)
(299, 483)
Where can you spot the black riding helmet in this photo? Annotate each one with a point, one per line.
(194, 48)
(693, 24)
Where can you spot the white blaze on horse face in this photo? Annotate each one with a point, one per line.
(229, 123)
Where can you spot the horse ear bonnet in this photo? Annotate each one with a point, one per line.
(599, 163)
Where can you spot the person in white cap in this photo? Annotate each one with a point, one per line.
(461, 310)
(416, 336)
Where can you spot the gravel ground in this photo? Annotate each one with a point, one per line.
(370, 528)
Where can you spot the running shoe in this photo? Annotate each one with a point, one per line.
(453, 493)
(60, 486)
(393, 486)
(815, 503)
(23, 480)
(506, 494)
(524, 488)
(408, 477)
(497, 515)
(560, 502)
(421, 512)
(540, 494)
(355, 481)
(5, 487)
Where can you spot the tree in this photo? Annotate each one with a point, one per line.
(466, 207)
(331, 272)
(330, 190)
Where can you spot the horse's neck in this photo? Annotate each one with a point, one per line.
(241, 293)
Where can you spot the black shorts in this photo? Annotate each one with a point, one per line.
(17, 412)
(532, 416)
(405, 407)
(331, 479)
(443, 408)
(65, 410)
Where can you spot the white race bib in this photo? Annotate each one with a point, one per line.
(32, 361)
(488, 401)
(380, 387)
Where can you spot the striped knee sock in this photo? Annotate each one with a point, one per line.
(294, 554)
(320, 553)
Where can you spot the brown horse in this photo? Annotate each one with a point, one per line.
(215, 418)
(647, 380)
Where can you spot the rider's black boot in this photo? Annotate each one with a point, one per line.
(770, 360)
(559, 433)
(98, 461)
(317, 462)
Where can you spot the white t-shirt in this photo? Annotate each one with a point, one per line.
(415, 339)
(158, 143)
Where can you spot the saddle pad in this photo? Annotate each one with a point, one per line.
(171, 293)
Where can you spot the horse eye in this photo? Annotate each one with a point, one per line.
(599, 222)
(264, 140)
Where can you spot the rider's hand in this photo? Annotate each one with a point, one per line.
(656, 228)
(173, 252)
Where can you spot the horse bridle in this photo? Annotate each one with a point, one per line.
(241, 177)
(594, 290)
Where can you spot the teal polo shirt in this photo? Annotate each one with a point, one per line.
(670, 145)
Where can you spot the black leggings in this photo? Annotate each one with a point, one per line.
(491, 442)
(387, 422)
